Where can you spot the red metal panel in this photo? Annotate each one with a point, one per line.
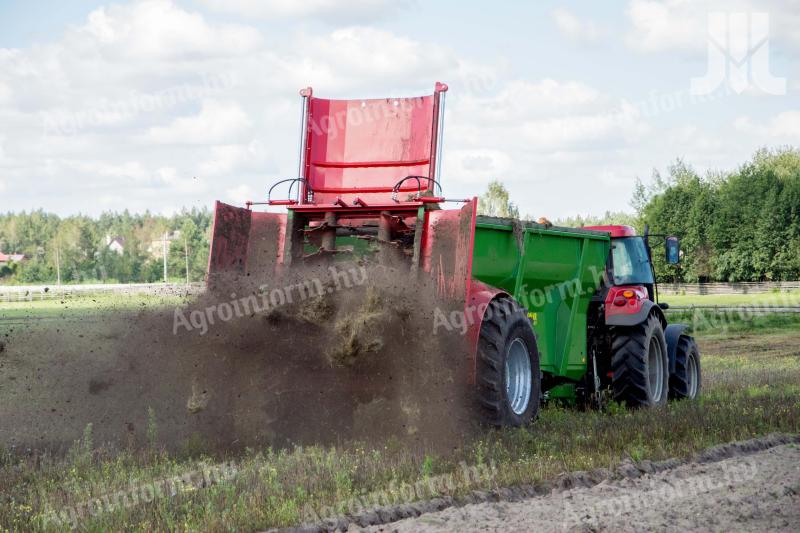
(447, 245)
(229, 237)
(265, 243)
(615, 231)
(368, 144)
(244, 241)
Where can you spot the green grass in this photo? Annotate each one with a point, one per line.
(787, 298)
(711, 323)
(85, 305)
(750, 389)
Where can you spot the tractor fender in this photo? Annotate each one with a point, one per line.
(673, 333)
(478, 300)
(648, 307)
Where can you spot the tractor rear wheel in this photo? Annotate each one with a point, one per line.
(640, 364)
(508, 377)
(685, 381)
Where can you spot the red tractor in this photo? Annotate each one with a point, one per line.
(634, 326)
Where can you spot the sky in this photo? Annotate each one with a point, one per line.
(161, 105)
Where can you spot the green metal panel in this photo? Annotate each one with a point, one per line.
(551, 271)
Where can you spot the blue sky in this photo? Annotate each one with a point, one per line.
(163, 104)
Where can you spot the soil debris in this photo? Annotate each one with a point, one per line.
(246, 364)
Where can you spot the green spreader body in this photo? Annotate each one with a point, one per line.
(554, 272)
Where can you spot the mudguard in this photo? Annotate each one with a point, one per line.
(480, 296)
(647, 307)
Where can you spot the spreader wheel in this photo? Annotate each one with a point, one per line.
(640, 364)
(508, 377)
(685, 382)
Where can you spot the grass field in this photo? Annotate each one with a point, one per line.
(108, 301)
(751, 388)
(81, 305)
(787, 298)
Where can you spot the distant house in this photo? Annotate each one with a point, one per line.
(116, 245)
(5, 260)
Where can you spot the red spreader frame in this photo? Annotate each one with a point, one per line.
(366, 167)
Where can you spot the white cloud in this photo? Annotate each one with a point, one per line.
(158, 29)
(576, 130)
(783, 126)
(142, 127)
(228, 158)
(144, 97)
(544, 115)
(476, 165)
(520, 100)
(239, 194)
(172, 179)
(217, 122)
(378, 59)
(661, 25)
(326, 10)
(575, 28)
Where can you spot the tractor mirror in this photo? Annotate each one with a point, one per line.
(673, 249)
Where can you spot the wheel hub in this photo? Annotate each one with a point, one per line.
(518, 377)
(655, 370)
(691, 375)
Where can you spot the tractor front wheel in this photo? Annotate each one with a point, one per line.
(640, 364)
(508, 377)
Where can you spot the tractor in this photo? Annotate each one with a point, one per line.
(553, 312)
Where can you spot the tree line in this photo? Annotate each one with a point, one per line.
(741, 225)
(77, 250)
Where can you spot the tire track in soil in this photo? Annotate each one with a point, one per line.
(768, 501)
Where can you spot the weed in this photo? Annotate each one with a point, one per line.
(427, 467)
(152, 428)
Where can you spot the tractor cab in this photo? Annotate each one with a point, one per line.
(629, 271)
(629, 262)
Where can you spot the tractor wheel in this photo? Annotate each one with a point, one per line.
(686, 381)
(640, 364)
(508, 377)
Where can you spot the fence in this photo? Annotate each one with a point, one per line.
(20, 293)
(728, 288)
(751, 309)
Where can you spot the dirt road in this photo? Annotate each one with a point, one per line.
(757, 492)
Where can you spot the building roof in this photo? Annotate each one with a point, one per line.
(11, 257)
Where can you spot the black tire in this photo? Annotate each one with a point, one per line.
(686, 381)
(631, 350)
(506, 330)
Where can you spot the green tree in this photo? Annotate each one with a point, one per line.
(609, 218)
(742, 225)
(495, 202)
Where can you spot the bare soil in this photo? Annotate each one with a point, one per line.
(752, 492)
